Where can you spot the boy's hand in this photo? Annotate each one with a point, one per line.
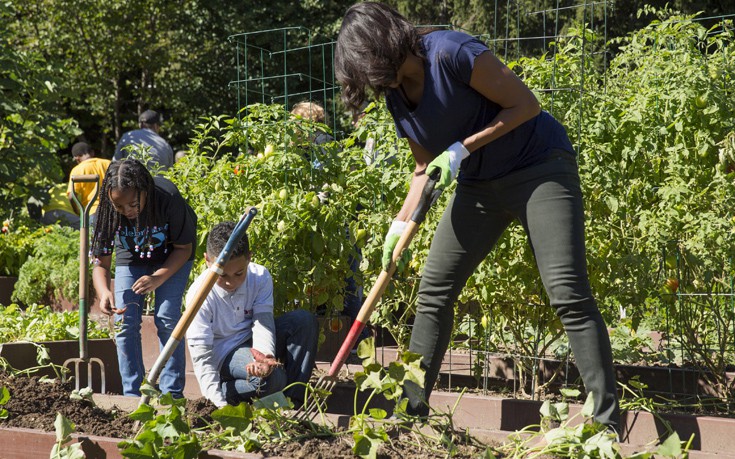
(263, 365)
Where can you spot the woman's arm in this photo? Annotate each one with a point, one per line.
(498, 83)
(178, 257)
(418, 180)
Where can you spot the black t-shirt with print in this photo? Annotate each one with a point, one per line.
(176, 223)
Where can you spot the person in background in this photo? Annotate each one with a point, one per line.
(87, 163)
(461, 109)
(57, 208)
(152, 230)
(238, 348)
(180, 155)
(314, 112)
(147, 141)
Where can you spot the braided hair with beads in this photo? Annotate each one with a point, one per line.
(128, 174)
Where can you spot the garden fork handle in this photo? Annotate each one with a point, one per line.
(429, 195)
(84, 256)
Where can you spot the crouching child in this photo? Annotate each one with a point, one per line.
(238, 348)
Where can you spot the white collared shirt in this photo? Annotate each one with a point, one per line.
(226, 320)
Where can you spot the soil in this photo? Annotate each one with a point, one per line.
(33, 404)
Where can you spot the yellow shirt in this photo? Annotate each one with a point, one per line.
(85, 191)
(58, 199)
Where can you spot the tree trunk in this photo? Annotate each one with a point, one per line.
(116, 122)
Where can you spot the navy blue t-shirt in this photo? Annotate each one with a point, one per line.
(450, 111)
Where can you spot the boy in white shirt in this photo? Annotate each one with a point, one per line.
(238, 349)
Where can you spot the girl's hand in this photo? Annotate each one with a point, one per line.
(146, 284)
(107, 302)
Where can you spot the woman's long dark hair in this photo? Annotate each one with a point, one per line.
(128, 174)
(373, 43)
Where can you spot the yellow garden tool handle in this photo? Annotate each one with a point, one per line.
(429, 195)
(84, 255)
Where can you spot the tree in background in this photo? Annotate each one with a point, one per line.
(33, 123)
(121, 57)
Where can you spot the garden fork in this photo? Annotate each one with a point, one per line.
(193, 306)
(83, 283)
(316, 399)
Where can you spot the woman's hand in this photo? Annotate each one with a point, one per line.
(147, 284)
(448, 164)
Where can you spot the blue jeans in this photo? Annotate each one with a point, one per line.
(167, 315)
(297, 334)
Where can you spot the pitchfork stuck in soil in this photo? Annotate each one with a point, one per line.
(83, 282)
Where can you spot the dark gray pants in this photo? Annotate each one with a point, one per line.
(547, 200)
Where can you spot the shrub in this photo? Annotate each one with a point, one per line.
(52, 272)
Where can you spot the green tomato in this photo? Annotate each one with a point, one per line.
(360, 238)
(701, 101)
(283, 194)
(281, 226)
(315, 203)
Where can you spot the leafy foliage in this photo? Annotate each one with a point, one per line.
(311, 199)
(52, 272)
(162, 435)
(40, 323)
(33, 125)
(16, 245)
(62, 450)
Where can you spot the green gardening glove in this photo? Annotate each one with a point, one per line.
(391, 240)
(448, 162)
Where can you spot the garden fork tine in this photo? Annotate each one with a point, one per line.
(83, 281)
(324, 386)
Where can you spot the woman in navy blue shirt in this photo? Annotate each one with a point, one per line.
(469, 116)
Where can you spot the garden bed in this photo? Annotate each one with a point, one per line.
(33, 406)
(28, 432)
(490, 416)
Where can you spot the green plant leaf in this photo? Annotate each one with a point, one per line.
(272, 401)
(671, 447)
(64, 428)
(570, 393)
(377, 413)
(562, 410)
(366, 445)
(366, 348)
(143, 413)
(149, 390)
(237, 417)
(589, 406)
(146, 451)
(4, 395)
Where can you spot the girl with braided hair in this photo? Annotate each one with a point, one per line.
(152, 231)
